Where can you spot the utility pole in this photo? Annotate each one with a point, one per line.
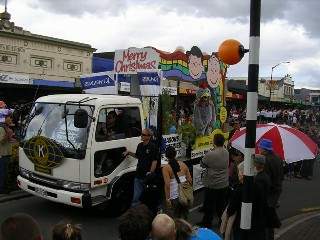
(251, 117)
(271, 83)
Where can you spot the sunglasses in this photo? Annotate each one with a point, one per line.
(145, 135)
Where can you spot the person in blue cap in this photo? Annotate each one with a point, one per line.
(273, 167)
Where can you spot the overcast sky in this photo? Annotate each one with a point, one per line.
(289, 28)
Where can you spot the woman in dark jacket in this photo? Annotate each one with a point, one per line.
(234, 206)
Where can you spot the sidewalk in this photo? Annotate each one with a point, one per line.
(301, 227)
(14, 195)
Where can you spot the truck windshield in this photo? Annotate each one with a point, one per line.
(48, 120)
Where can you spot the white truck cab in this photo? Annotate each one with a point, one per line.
(72, 149)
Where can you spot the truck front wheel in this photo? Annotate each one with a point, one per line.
(121, 196)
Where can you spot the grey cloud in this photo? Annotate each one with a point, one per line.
(309, 76)
(305, 13)
(80, 7)
(296, 11)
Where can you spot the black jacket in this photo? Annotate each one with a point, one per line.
(261, 188)
(234, 205)
(274, 169)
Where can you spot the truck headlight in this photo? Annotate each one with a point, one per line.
(24, 173)
(75, 185)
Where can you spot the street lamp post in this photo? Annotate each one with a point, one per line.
(271, 84)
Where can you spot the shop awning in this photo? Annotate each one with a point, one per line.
(101, 64)
(51, 83)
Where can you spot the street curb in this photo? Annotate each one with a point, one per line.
(291, 222)
(14, 196)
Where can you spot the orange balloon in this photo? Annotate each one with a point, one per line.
(230, 51)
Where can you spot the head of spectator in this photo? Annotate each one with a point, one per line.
(2, 105)
(236, 155)
(146, 135)
(259, 162)
(135, 223)
(184, 230)
(163, 228)
(20, 227)
(171, 156)
(236, 125)
(171, 153)
(265, 146)
(66, 231)
(218, 140)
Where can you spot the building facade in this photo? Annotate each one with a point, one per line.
(308, 96)
(33, 60)
(279, 90)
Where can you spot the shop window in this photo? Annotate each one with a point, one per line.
(41, 62)
(72, 66)
(118, 123)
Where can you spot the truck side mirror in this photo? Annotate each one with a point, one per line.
(81, 118)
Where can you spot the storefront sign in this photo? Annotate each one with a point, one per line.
(5, 47)
(125, 87)
(200, 152)
(101, 83)
(197, 172)
(169, 90)
(14, 78)
(234, 95)
(174, 140)
(97, 81)
(204, 144)
(149, 83)
(133, 60)
(188, 89)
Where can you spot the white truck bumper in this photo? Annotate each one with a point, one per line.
(56, 195)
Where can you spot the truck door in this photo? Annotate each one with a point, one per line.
(117, 129)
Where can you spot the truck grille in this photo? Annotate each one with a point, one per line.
(48, 182)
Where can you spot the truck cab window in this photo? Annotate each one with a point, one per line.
(118, 123)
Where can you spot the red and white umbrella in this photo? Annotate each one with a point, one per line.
(289, 143)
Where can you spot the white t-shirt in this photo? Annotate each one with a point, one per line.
(294, 119)
(269, 114)
(274, 114)
(174, 194)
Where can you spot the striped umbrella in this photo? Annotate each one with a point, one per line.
(289, 143)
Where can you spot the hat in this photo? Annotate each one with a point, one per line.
(258, 158)
(265, 144)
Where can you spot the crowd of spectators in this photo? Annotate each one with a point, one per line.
(137, 223)
(21, 226)
(291, 116)
(307, 121)
(223, 180)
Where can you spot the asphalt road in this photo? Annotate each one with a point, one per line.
(298, 195)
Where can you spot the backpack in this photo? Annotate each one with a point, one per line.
(185, 192)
